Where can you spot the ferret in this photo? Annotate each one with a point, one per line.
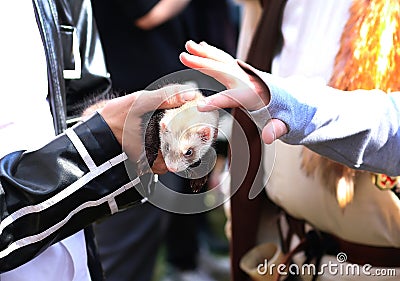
(185, 136)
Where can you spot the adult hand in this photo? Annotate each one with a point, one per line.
(124, 117)
(244, 89)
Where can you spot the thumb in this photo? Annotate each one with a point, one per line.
(274, 129)
(223, 99)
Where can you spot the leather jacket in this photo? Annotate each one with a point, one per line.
(49, 194)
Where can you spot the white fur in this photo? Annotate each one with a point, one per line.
(181, 130)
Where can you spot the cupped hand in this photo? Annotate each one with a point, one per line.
(124, 117)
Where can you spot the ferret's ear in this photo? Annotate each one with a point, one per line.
(204, 133)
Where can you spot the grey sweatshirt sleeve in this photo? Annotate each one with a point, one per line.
(357, 128)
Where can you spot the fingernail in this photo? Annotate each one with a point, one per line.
(201, 103)
(187, 96)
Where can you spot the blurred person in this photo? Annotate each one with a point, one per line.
(213, 21)
(142, 42)
(333, 199)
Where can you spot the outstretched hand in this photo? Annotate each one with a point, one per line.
(244, 89)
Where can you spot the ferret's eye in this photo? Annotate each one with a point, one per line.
(189, 152)
(166, 147)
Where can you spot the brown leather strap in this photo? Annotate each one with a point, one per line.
(245, 212)
(288, 257)
(267, 38)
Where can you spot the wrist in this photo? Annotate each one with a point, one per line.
(261, 89)
(114, 119)
(257, 85)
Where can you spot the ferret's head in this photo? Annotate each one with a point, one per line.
(184, 149)
(186, 136)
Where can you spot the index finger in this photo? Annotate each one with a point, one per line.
(205, 65)
(167, 97)
(207, 51)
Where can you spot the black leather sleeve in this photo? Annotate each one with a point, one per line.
(49, 194)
